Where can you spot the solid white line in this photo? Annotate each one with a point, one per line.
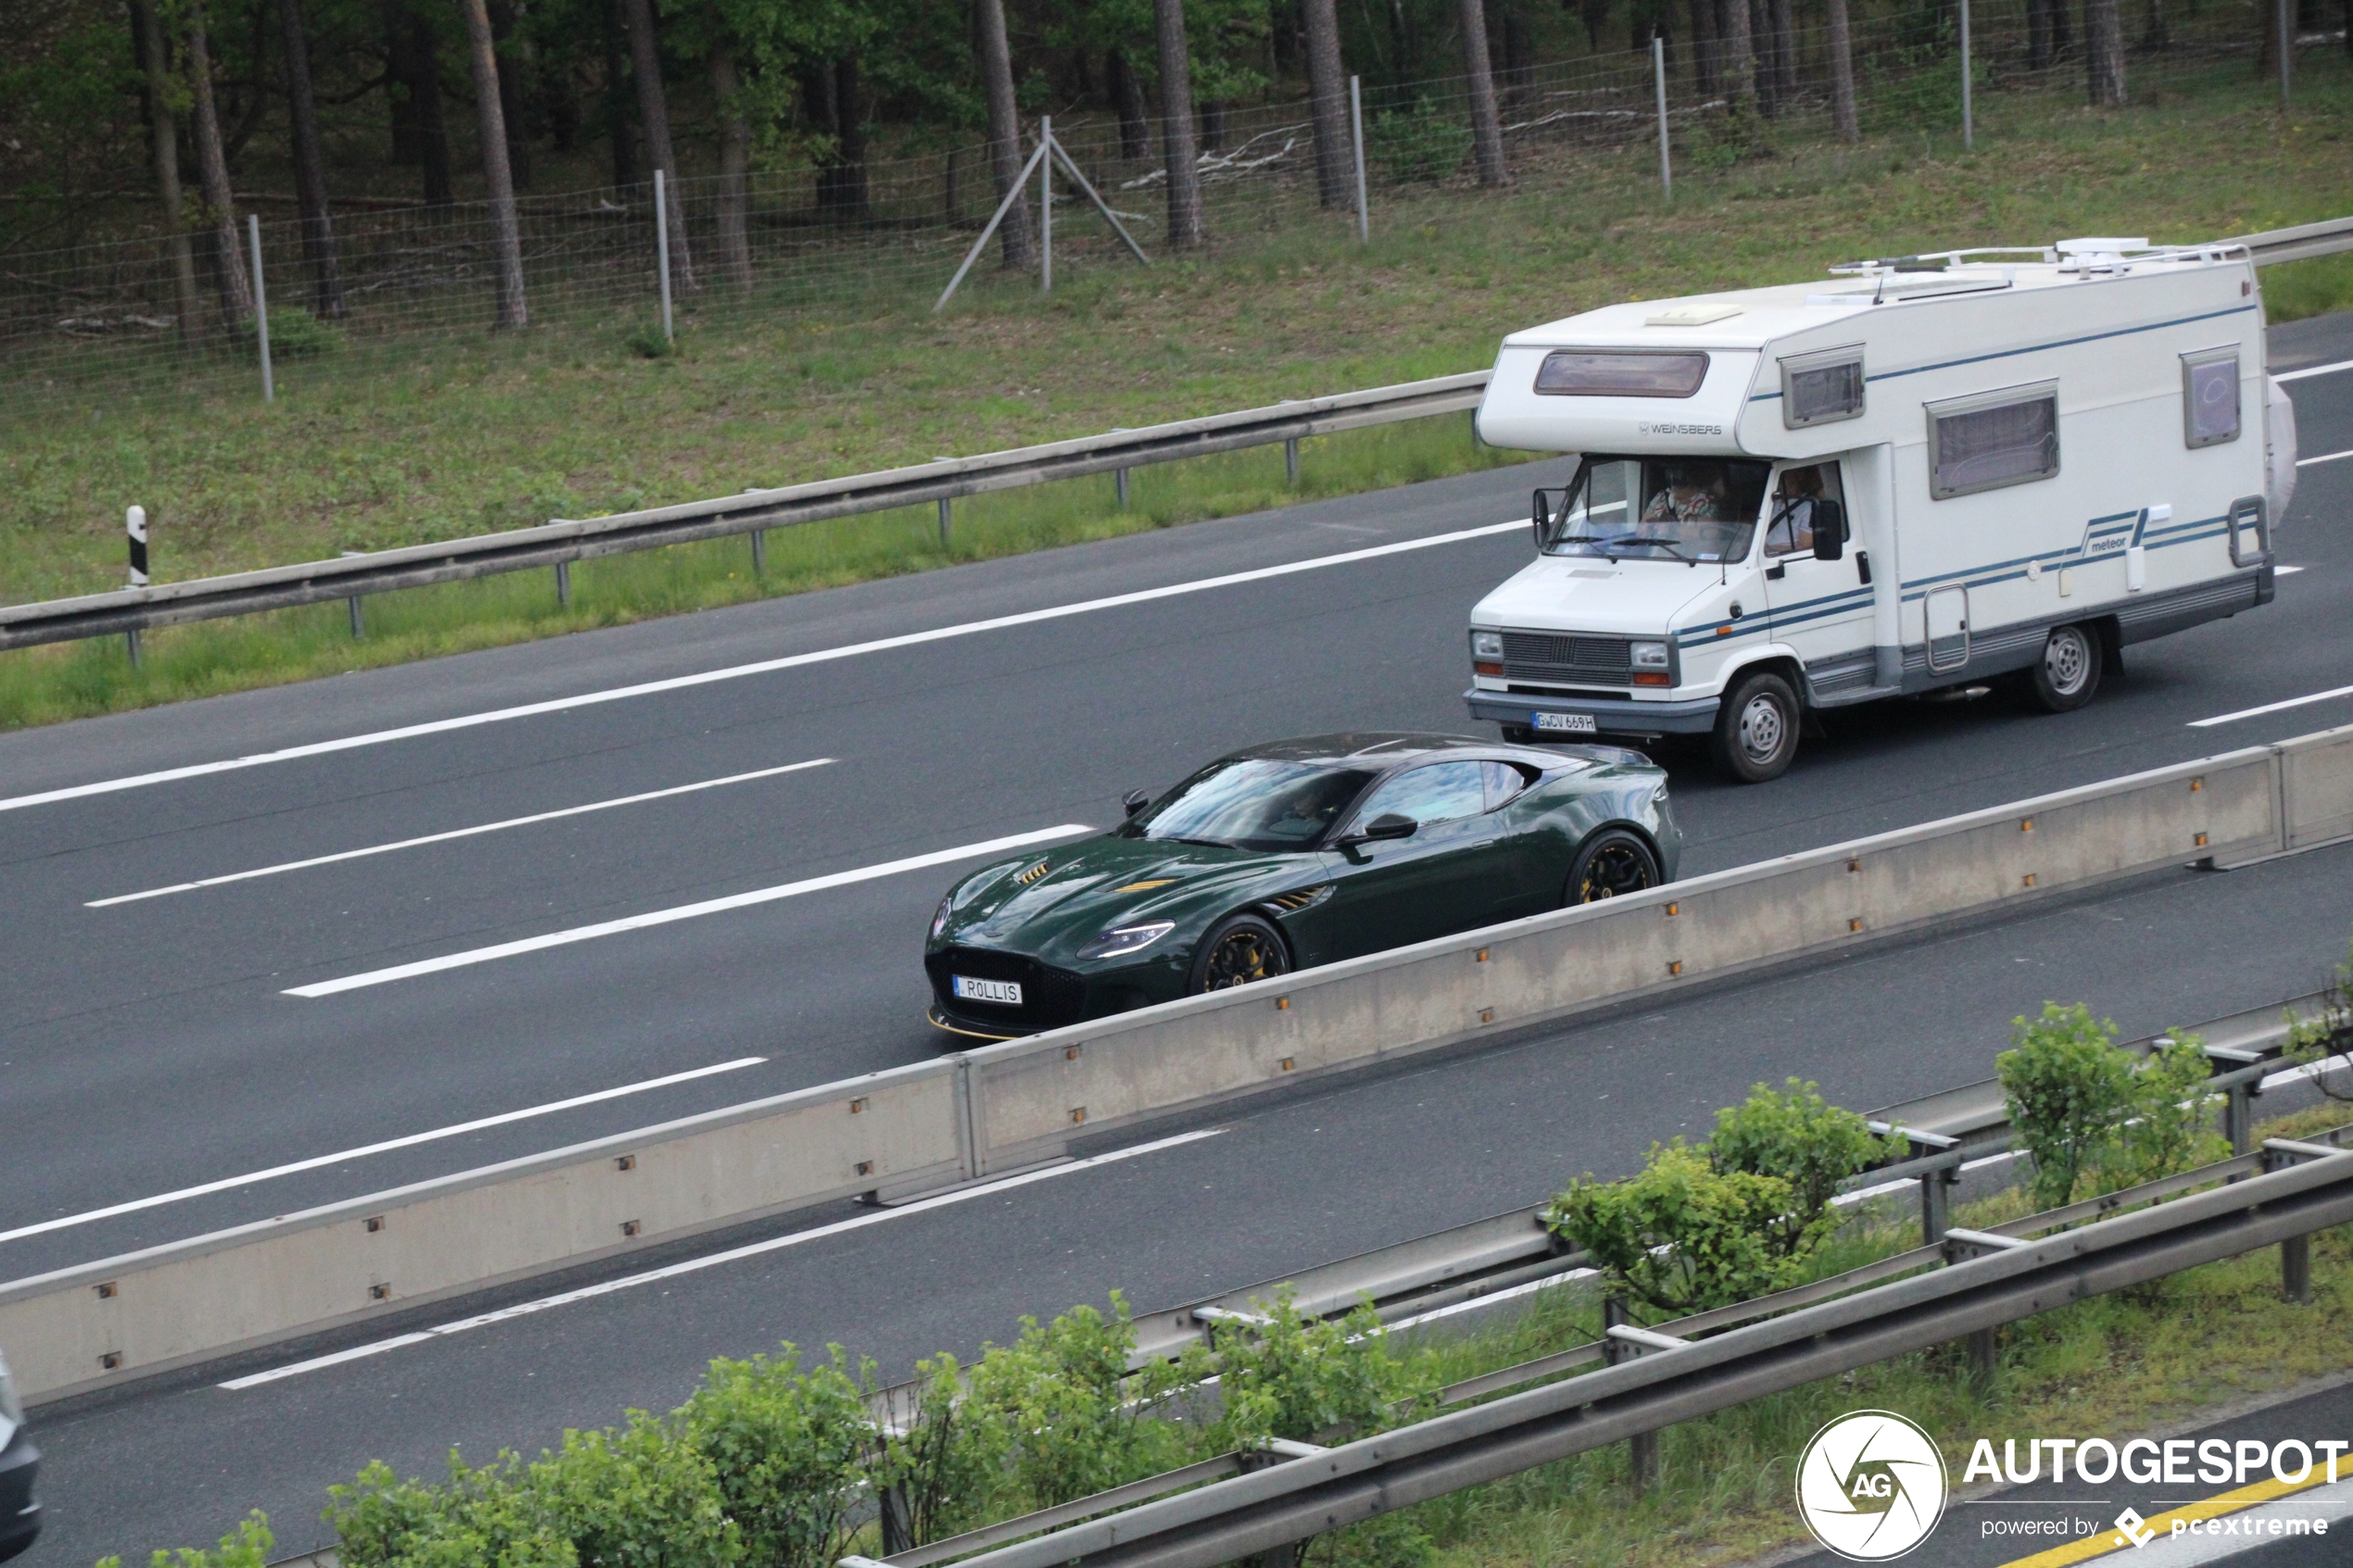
(409, 1141)
(683, 912)
(715, 1260)
(734, 672)
(2325, 457)
(2315, 371)
(454, 833)
(2269, 708)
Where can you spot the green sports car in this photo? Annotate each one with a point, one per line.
(1285, 856)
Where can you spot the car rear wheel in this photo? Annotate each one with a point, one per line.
(1609, 864)
(1756, 734)
(2068, 675)
(1238, 949)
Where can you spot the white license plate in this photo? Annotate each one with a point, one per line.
(968, 989)
(1567, 724)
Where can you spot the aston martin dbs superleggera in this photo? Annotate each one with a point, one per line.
(1292, 854)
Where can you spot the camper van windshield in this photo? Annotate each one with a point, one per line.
(1675, 508)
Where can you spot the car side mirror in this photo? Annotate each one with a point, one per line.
(1389, 825)
(1829, 530)
(1134, 801)
(1541, 515)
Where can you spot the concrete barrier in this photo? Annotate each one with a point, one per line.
(146, 1311)
(999, 1108)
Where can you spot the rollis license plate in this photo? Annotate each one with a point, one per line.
(1005, 992)
(1567, 724)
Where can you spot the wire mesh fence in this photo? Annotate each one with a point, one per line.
(111, 323)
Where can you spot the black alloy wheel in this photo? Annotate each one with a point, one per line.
(1756, 736)
(2068, 675)
(1238, 949)
(1609, 865)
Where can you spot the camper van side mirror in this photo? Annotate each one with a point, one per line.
(1829, 530)
(1540, 515)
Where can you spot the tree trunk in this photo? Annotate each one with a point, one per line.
(1704, 46)
(482, 54)
(310, 171)
(624, 140)
(734, 162)
(1135, 114)
(1784, 34)
(653, 113)
(515, 59)
(1328, 101)
(1014, 235)
(167, 146)
(1185, 230)
(419, 131)
(2104, 56)
(236, 294)
(1739, 55)
(1842, 117)
(1487, 135)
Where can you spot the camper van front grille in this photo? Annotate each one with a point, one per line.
(1537, 655)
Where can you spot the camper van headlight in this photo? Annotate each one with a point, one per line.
(1649, 656)
(1486, 644)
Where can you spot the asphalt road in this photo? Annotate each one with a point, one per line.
(151, 1045)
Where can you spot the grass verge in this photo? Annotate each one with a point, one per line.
(403, 443)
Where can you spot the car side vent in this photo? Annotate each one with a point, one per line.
(1303, 898)
(1032, 874)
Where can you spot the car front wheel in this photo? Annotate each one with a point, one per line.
(1756, 734)
(1238, 949)
(1609, 865)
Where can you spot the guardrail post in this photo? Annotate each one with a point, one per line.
(563, 583)
(759, 552)
(1642, 1449)
(944, 505)
(1121, 476)
(359, 625)
(1290, 462)
(2295, 1252)
(1936, 1204)
(1983, 1349)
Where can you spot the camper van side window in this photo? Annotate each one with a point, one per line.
(1996, 438)
(1820, 388)
(1621, 373)
(2210, 396)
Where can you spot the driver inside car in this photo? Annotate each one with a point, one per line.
(1799, 503)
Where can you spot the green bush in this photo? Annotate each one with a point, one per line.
(1796, 1135)
(2095, 1118)
(296, 334)
(1420, 145)
(247, 1546)
(1059, 1406)
(788, 1448)
(1309, 1380)
(1683, 1235)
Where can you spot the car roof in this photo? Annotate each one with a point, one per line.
(1381, 749)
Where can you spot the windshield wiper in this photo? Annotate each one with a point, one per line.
(1657, 545)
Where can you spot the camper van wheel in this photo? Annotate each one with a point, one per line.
(2068, 675)
(1756, 728)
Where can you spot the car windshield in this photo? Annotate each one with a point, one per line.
(1674, 508)
(1253, 803)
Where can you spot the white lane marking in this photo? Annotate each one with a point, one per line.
(715, 1260)
(2323, 458)
(683, 912)
(2314, 370)
(2269, 708)
(735, 672)
(454, 833)
(408, 1141)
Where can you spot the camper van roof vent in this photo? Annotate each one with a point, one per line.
(1691, 316)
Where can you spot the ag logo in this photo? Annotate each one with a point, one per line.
(1871, 1486)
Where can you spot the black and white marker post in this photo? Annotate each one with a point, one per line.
(134, 524)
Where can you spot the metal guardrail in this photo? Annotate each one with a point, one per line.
(1694, 1367)
(563, 541)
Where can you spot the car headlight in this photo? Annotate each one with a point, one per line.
(1648, 656)
(939, 917)
(1127, 939)
(1486, 644)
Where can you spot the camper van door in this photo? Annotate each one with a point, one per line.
(1821, 608)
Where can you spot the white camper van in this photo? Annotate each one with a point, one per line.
(1921, 473)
